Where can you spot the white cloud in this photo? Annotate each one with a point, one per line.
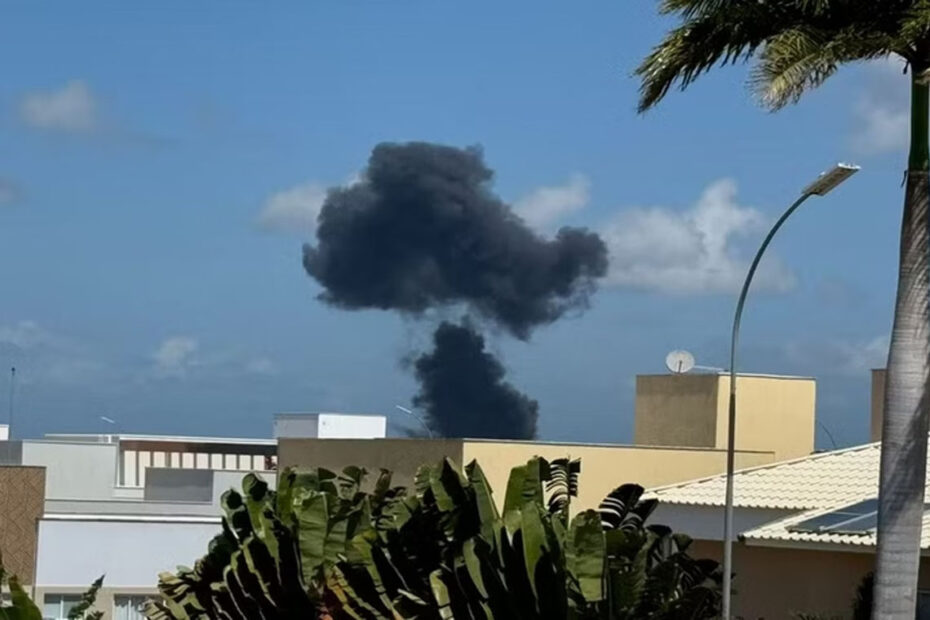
(881, 116)
(691, 251)
(545, 206)
(175, 355)
(293, 210)
(854, 358)
(25, 335)
(72, 109)
(261, 366)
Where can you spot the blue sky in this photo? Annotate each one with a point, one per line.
(160, 166)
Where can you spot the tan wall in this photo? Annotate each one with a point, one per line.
(775, 583)
(105, 596)
(676, 410)
(22, 502)
(603, 467)
(878, 404)
(773, 413)
(401, 456)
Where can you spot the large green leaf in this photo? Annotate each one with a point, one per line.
(312, 525)
(23, 608)
(587, 555)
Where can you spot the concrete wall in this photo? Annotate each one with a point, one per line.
(296, 426)
(225, 480)
(706, 522)
(74, 552)
(178, 485)
(774, 413)
(401, 456)
(22, 500)
(74, 470)
(603, 468)
(676, 410)
(776, 583)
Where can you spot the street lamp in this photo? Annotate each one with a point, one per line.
(821, 186)
(418, 418)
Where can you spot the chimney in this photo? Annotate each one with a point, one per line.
(878, 404)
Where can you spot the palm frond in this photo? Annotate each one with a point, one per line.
(802, 59)
(916, 24)
(715, 33)
(799, 43)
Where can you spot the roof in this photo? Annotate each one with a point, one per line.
(779, 532)
(132, 518)
(316, 414)
(812, 485)
(117, 437)
(816, 482)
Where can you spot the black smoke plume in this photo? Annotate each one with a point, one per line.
(423, 229)
(463, 392)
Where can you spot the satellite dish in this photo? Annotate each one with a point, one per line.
(679, 362)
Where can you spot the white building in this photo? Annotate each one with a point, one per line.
(132, 506)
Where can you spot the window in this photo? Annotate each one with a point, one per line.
(128, 606)
(58, 606)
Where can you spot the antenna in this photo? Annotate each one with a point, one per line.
(679, 362)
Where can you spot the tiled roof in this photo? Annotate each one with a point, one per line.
(779, 531)
(812, 485)
(816, 482)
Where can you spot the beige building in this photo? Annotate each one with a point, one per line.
(680, 434)
(806, 532)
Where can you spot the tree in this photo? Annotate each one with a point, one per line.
(798, 44)
(321, 546)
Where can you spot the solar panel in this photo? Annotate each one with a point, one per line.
(860, 525)
(849, 519)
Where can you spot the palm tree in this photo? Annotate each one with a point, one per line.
(797, 45)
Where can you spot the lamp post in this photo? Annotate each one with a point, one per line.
(824, 184)
(418, 418)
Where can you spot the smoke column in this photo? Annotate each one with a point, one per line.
(422, 229)
(465, 385)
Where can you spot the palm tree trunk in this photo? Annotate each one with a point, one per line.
(904, 429)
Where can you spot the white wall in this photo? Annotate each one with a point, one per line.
(296, 426)
(329, 426)
(74, 470)
(130, 553)
(338, 426)
(225, 480)
(706, 522)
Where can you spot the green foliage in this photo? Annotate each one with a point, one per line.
(321, 545)
(22, 607)
(798, 44)
(862, 604)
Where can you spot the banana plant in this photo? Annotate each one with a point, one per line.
(322, 545)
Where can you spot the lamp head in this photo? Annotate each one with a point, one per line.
(830, 179)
